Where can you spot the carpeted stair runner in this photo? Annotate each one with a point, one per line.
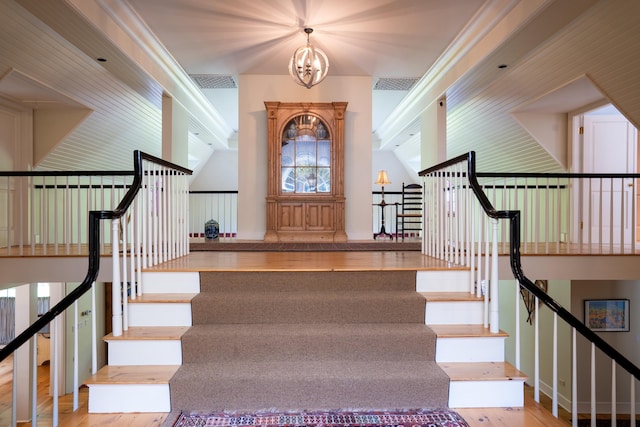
(308, 341)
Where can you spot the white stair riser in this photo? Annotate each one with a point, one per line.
(145, 352)
(454, 313)
(155, 398)
(171, 282)
(470, 349)
(160, 314)
(110, 398)
(443, 281)
(486, 394)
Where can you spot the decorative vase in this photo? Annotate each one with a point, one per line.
(211, 230)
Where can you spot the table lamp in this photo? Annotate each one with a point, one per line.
(382, 180)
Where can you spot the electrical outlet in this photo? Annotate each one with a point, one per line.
(562, 383)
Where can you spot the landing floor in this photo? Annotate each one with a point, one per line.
(307, 261)
(233, 245)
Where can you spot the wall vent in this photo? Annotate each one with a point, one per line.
(214, 81)
(395, 84)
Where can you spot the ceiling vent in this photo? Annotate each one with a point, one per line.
(395, 84)
(214, 81)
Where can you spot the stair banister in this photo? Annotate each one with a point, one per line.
(515, 260)
(93, 239)
(573, 321)
(59, 308)
(94, 252)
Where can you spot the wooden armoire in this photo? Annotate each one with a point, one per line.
(305, 182)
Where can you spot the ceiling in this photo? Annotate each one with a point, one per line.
(379, 38)
(450, 48)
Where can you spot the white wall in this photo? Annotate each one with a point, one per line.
(433, 125)
(252, 146)
(625, 342)
(175, 132)
(559, 290)
(397, 173)
(220, 173)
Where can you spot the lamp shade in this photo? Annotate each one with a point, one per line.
(383, 179)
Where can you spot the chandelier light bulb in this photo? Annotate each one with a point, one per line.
(308, 65)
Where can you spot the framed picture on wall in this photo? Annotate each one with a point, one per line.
(607, 315)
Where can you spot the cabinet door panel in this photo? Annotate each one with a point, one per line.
(320, 216)
(291, 216)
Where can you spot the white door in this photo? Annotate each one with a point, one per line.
(609, 146)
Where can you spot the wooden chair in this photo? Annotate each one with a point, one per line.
(409, 216)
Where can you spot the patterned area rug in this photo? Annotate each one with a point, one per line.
(426, 418)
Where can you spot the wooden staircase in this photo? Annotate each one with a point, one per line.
(143, 359)
(469, 353)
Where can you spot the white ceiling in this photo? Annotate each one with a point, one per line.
(379, 38)
(560, 54)
(400, 38)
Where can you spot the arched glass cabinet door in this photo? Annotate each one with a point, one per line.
(306, 156)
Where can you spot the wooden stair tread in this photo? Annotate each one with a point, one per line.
(465, 331)
(149, 333)
(133, 375)
(163, 298)
(450, 296)
(481, 371)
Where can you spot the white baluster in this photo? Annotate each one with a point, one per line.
(517, 321)
(494, 316)
(536, 354)
(125, 278)
(593, 385)
(55, 356)
(75, 355)
(14, 392)
(94, 331)
(34, 380)
(614, 409)
(116, 283)
(554, 385)
(574, 380)
(471, 246)
(632, 396)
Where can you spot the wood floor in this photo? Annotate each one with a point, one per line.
(532, 415)
(67, 418)
(199, 244)
(315, 261)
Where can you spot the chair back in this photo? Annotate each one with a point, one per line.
(409, 219)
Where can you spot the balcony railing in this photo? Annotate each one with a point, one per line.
(568, 212)
(221, 206)
(44, 213)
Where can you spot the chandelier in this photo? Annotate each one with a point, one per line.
(308, 65)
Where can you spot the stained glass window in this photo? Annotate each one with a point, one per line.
(306, 156)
